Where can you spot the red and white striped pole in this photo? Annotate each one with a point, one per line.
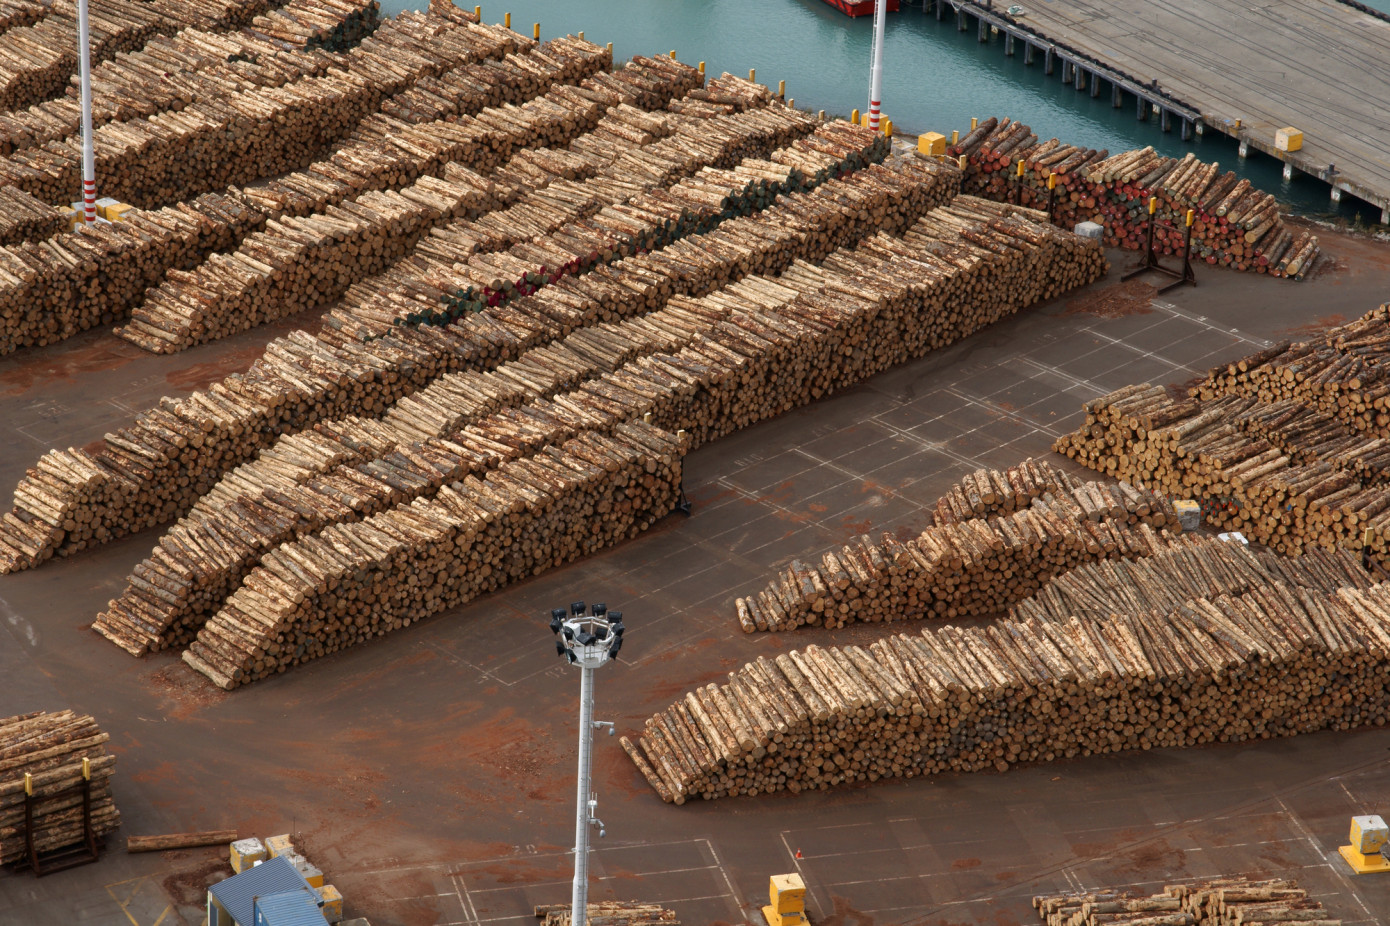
(89, 173)
(876, 75)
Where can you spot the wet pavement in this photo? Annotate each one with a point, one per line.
(430, 773)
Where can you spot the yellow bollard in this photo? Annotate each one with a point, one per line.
(702, 69)
(888, 128)
(854, 117)
(955, 136)
(1153, 204)
(610, 49)
(86, 768)
(478, 12)
(536, 31)
(752, 75)
(507, 20)
(792, 103)
(1020, 167)
(1190, 216)
(673, 54)
(820, 114)
(28, 784)
(961, 162)
(1052, 181)
(581, 35)
(782, 89)
(974, 123)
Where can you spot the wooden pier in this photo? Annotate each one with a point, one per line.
(1319, 66)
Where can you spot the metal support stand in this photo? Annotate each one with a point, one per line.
(1150, 258)
(683, 502)
(83, 853)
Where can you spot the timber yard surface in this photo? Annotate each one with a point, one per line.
(430, 773)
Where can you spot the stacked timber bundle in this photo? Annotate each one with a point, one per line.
(1343, 374)
(988, 493)
(974, 566)
(356, 581)
(36, 61)
(335, 25)
(24, 218)
(1279, 472)
(50, 747)
(194, 64)
(1275, 661)
(52, 289)
(1236, 901)
(293, 266)
(290, 490)
(17, 13)
(609, 913)
(1234, 224)
(240, 136)
(1223, 902)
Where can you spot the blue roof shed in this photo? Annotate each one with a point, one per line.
(294, 908)
(232, 897)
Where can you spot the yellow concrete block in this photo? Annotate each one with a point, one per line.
(1288, 139)
(311, 872)
(105, 203)
(1368, 834)
(787, 893)
(782, 919)
(245, 853)
(932, 144)
(332, 903)
(118, 212)
(278, 845)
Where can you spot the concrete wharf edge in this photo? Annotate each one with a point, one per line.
(1206, 76)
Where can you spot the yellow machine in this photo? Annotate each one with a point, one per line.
(788, 896)
(1369, 835)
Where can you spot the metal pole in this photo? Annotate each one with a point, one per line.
(579, 897)
(89, 174)
(876, 75)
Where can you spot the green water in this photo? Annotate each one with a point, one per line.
(935, 78)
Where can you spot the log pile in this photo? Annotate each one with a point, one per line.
(609, 913)
(335, 25)
(197, 63)
(297, 265)
(1277, 660)
(50, 748)
(553, 501)
(1281, 472)
(24, 218)
(988, 493)
(1222, 902)
(254, 132)
(79, 294)
(285, 493)
(16, 13)
(1235, 225)
(969, 567)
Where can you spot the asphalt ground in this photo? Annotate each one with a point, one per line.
(430, 774)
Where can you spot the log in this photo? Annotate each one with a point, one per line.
(179, 841)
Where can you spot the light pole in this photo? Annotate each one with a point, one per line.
(587, 640)
(84, 58)
(876, 72)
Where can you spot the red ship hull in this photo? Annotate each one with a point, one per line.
(860, 7)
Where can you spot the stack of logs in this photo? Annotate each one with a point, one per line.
(609, 376)
(973, 566)
(1223, 902)
(53, 297)
(50, 748)
(335, 25)
(74, 498)
(294, 265)
(1234, 224)
(546, 503)
(297, 485)
(24, 218)
(1283, 446)
(609, 913)
(258, 131)
(1273, 660)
